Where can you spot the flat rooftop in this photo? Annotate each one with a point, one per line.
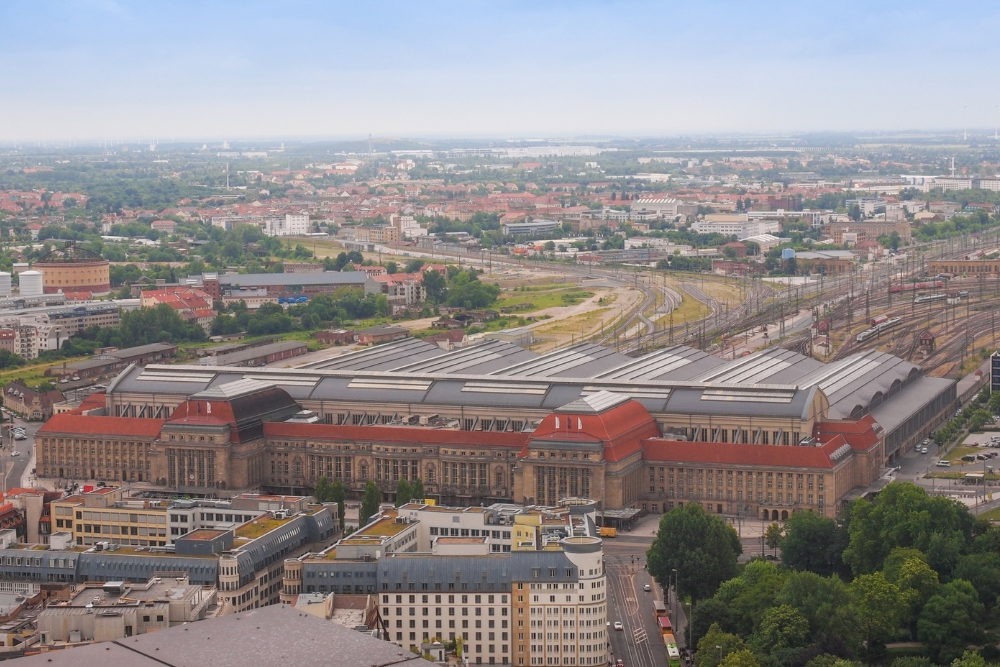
(260, 526)
(385, 527)
(204, 534)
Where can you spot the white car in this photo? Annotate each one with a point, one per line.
(647, 588)
(15, 453)
(943, 464)
(619, 626)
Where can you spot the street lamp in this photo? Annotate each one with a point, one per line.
(673, 600)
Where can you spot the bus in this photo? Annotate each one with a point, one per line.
(673, 654)
(665, 626)
(659, 609)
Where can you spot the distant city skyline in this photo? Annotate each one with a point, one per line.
(116, 69)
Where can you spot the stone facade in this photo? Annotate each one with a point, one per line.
(604, 446)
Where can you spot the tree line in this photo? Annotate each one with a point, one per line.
(904, 567)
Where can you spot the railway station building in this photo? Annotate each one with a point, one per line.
(774, 431)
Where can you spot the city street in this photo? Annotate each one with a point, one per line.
(640, 642)
(13, 468)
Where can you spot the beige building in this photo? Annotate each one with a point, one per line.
(115, 610)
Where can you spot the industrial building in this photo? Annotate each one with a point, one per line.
(74, 269)
(496, 423)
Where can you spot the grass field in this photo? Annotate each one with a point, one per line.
(34, 375)
(991, 515)
(690, 310)
(540, 297)
(571, 329)
(954, 455)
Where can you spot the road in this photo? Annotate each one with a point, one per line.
(13, 467)
(639, 644)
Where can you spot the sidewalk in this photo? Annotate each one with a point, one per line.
(745, 527)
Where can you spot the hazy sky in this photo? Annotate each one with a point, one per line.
(207, 70)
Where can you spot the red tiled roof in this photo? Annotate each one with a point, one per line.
(721, 453)
(861, 435)
(397, 434)
(621, 429)
(109, 426)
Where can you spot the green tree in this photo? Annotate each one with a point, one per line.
(700, 546)
(322, 490)
(435, 285)
(707, 654)
(338, 494)
(950, 621)
(414, 265)
(825, 602)
(967, 659)
(917, 584)
(812, 542)
(382, 305)
(465, 291)
(912, 661)
(781, 627)
(773, 536)
(10, 360)
(391, 267)
(879, 608)
(402, 492)
(983, 572)
(713, 611)
(744, 658)
(369, 502)
(903, 515)
(893, 564)
(747, 596)
(417, 490)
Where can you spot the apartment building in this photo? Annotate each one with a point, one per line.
(438, 573)
(401, 289)
(292, 224)
(245, 562)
